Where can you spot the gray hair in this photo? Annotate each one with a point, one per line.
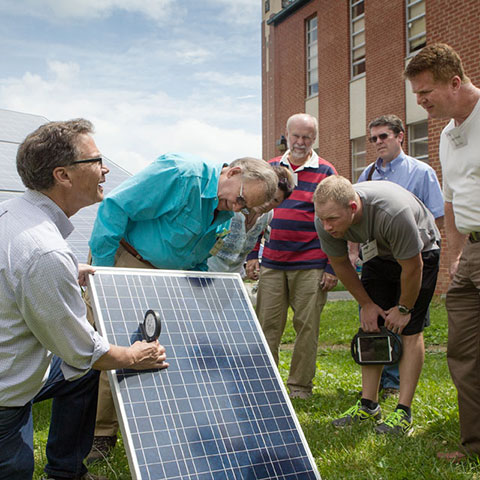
(305, 117)
(336, 188)
(255, 170)
(52, 145)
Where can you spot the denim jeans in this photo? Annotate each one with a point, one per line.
(70, 435)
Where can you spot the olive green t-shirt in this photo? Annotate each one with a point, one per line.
(394, 217)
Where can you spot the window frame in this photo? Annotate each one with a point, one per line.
(356, 63)
(356, 154)
(409, 21)
(309, 58)
(412, 140)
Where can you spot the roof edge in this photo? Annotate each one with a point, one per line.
(286, 12)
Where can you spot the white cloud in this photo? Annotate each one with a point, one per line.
(157, 10)
(229, 80)
(134, 127)
(189, 53)
(238, 11)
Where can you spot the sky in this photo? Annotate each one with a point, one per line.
(154, 76)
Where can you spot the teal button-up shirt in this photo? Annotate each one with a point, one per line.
(166, 212)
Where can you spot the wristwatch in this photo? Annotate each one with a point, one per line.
(404, 310)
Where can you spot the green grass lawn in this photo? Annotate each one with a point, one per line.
(352, 453)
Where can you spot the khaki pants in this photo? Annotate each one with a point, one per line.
(106, 423)
(277, 289)
(463, 353)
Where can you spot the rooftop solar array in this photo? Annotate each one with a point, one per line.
(220, 411)
(14, 127)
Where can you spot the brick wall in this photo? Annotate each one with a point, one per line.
(384, 61)
(284, 87)
(333, 84)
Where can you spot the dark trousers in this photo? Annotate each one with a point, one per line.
(70, 435)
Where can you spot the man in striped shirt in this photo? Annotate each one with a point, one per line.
(295, 271)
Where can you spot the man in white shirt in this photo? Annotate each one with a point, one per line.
(445, 92)
(47, 347)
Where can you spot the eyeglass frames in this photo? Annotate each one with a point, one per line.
(382, 137)
(90, 160)
(242, 202)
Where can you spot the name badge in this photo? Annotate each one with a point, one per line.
(369, 250)
(456, 137)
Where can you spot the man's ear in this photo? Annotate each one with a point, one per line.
(456, 83)
(353, 206)
(233, 171)
(62, 176)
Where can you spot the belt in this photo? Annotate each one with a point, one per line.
(133, 252)
(474, 237)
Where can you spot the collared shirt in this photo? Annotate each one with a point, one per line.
(166, 212)
(294, 243)
(415, 176)
(41, 309)
(237, 244)
(460, 159)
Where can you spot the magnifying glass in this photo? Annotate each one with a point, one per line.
(151, 326)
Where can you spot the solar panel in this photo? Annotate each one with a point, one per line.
(14, 127)
(9, 180)
(220, 411)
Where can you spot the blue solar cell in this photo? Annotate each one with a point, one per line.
(220, 411)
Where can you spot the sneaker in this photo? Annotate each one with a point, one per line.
(397, 423)
(101, 448)
(357, 413)
(304, 394)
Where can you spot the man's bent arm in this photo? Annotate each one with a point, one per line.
(455, 239)
(348, 276)
(410, 284)
(139, 356)
(410, 280)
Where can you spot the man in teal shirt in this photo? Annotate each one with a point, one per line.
(170, 215)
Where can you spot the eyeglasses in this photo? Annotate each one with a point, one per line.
(242, 202)
(90, 160)
(382, 137)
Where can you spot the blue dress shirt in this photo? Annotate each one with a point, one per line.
(166, 212)
(417, 177)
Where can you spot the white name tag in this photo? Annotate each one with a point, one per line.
(457, 138)
(369, 250)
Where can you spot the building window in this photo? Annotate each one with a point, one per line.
(416, 26)
(357, 33)
(312, 58)
(267, 6)
(358, 157)
(418, 141)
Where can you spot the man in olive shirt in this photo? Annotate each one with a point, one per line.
(401, 256)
